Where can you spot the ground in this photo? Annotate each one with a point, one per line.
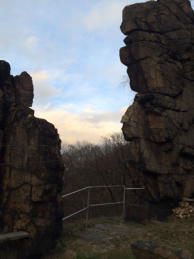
(110, 238)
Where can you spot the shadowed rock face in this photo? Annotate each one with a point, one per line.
(30, 165)
(159, 54)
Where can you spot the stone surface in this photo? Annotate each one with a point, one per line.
(184, 210)
(159, 54)
(150, 250)
(30, 165)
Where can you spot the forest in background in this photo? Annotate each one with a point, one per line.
(89, 164)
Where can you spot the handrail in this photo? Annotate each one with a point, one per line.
(99, 204)
(69, 194)
(75, 213)
(104, 204)
(91, 187)
(138, 188)
(105, 186)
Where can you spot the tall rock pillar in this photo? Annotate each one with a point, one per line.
(31, 167)
(159, 55)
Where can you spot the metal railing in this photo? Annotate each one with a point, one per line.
(99, 204)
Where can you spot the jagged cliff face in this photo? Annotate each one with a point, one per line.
(30, 165)
(159, 54)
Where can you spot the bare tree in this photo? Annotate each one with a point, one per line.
(88, 164)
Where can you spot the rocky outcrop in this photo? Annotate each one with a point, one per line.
(30, 166)
(159, 54)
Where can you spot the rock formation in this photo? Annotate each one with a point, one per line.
(30, 166)
(159, 54)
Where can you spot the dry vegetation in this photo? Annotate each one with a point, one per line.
(88, 165)
(173, 233)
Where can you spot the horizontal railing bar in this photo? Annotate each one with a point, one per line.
(140, 188)
(98, 204)
(104, 186)
(91, 187)
(75, 213)
(100, 186)
(104, 204)
(68, 194)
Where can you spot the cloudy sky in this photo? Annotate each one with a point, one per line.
(71, 50)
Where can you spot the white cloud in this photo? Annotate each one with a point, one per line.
(43, 90)
(106, 14)
(106, 116)
(87, 126)
(30, 42)
(103, 15)
(41, 76)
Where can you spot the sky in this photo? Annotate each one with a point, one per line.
(71, 50)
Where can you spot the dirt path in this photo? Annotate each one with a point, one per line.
(100, 240)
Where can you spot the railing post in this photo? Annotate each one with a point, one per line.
(99, 204)
(88, 207)
(124, 198)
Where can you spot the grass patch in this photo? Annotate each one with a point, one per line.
(118, 253)
(113, 254)
(174, 233)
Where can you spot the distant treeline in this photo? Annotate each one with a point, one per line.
(89, 164)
